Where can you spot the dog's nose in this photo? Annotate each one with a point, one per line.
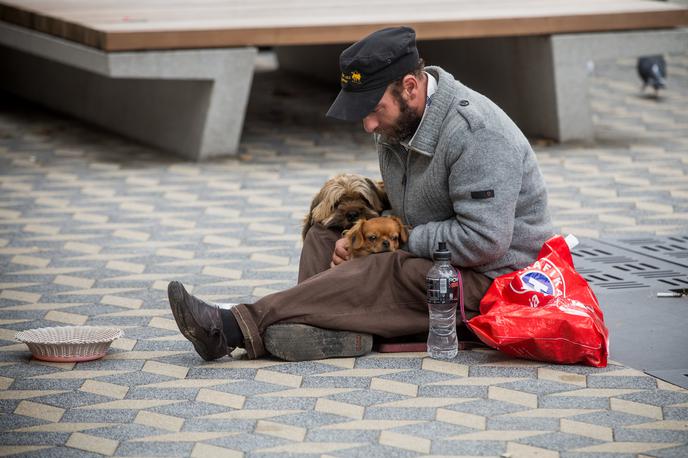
(385, 243)
(352, 216)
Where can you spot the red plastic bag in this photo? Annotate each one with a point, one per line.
(545, 312)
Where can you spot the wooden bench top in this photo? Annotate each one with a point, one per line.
(124, 25)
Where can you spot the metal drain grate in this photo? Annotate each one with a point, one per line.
(606, 265)
(646, 332)
(671, 248)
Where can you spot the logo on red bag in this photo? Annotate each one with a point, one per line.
(543, 277)
(538, 281)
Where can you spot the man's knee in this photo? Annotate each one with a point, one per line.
(319, 234)
(316, 253)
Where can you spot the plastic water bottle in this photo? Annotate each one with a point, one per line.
(442, 284)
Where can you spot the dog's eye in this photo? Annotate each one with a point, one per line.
(372, 238)
(395, 238)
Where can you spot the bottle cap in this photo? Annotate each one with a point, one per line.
(442, 254)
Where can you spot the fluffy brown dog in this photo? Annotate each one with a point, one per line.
(376, 235)
(345, 199)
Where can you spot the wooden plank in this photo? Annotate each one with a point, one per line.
(148, 13)
(119, 25)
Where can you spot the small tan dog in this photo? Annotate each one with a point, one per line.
(376, 235)
(345, 199)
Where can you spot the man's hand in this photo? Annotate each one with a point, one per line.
(342, 251)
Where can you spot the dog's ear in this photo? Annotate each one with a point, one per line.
(308, 220)
(378, 189)
(356, 235)
(403, 232)
(324, 203)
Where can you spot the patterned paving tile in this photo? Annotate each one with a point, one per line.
(92, 227)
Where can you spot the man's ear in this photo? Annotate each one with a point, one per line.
(411, 86)
(413, 93)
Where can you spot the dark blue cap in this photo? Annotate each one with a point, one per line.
(368, 66)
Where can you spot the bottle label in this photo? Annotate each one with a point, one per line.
(442, 290)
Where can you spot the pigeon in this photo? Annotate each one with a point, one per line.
(652, 70)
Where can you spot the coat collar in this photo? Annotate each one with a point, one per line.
(426, 137)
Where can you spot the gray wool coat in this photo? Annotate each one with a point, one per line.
(470, 178)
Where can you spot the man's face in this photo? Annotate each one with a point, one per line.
(392, 118)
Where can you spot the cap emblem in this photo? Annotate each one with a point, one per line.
(351, 78)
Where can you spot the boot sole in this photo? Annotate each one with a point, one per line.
(300, 342)
(175, 294)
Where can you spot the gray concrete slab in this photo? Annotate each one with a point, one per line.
(189, 102)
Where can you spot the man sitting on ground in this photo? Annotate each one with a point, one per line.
(455, 168)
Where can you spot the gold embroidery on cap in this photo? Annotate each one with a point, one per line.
(353, 78)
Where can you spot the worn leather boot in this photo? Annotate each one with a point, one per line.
(199, 322)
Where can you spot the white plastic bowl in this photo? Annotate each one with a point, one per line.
(69, 343)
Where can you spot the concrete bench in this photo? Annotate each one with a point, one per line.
(177, 75)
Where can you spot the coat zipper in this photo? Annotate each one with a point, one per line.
(404, 182)
(404, 179)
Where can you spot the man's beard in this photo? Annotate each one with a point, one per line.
(406, 124)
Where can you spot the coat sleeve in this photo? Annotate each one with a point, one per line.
(484, 183)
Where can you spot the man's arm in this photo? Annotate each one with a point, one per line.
(484, 184)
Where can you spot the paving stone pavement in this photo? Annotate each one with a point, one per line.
(92, 227)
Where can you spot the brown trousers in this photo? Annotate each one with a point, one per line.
(381, 294)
